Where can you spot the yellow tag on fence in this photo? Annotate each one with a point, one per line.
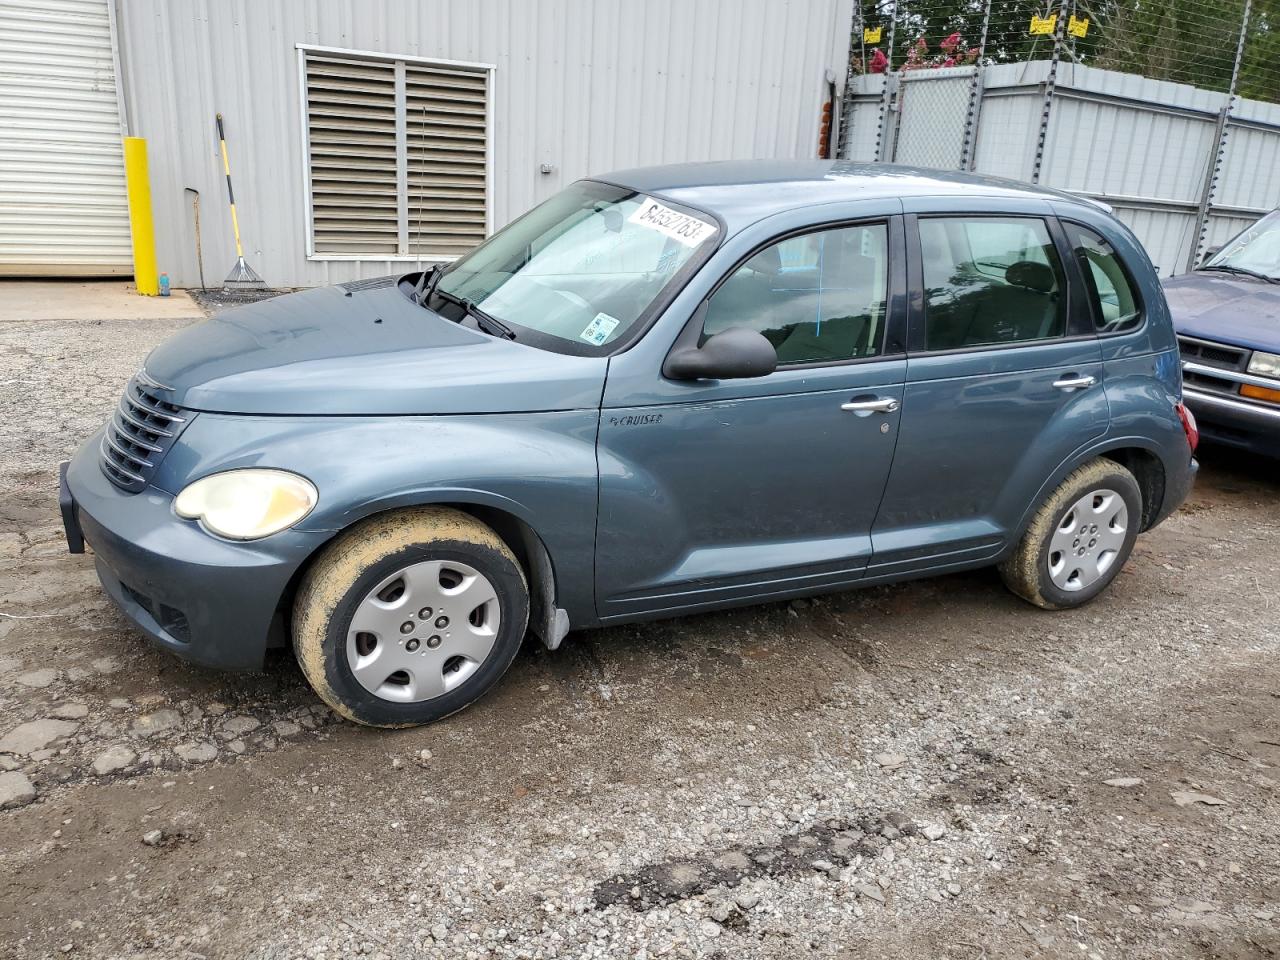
(1078, 26)
(1043, 25)
(872, 35)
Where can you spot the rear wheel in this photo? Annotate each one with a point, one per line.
(1078, 540)
(410, 616)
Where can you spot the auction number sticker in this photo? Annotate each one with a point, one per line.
(598, 330)
(687, 229)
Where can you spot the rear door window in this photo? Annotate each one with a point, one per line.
(1112, 295)
(990, 281)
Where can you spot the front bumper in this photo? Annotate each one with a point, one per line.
(1236, 423)
(210, 601)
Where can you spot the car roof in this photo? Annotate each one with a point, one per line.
(743, 191)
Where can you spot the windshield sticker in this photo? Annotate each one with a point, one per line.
(598, 330)
(672, 223)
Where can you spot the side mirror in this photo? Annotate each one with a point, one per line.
(733, 354)
(1209, 254)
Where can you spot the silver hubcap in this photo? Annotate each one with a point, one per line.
(1088, 540)
(423, 630)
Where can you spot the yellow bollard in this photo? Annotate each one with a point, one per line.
(145, 276)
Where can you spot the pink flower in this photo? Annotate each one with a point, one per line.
(950, 43)
(879, 62)
(949, 62)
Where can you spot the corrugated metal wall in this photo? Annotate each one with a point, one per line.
(582, 86)
(1144, 146)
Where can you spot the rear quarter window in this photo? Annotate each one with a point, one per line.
(1110, 290)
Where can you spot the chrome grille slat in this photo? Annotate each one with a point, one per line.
(139, 433)
(123, 429)
(161, 431)
(135, 458)
(154, 411)
(111, 465)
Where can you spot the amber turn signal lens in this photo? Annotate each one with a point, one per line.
(1260, 393)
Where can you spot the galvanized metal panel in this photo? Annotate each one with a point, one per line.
(579, 86)
(861, 121)
(1166, 234)
(1121, 150)
(63, 208)
(1144, 146)
(1005, 144)
(1251, 167)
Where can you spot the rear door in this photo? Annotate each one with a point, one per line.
(1004, 383)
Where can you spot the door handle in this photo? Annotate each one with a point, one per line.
(879, 405)
(1070, 383)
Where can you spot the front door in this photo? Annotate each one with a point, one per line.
(1004, 383)
(722, 491)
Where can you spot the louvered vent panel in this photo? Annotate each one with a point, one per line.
(351, 119)
(445, 120)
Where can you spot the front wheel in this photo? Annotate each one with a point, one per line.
(1078, 540)
(410, 616)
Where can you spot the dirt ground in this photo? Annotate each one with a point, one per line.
(916, 771)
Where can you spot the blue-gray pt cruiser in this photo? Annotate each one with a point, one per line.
(663, 390)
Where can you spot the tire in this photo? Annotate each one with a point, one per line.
(443, 604)
(1058, 564)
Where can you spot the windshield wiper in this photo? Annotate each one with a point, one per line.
(427, 283)
(1226, 268)
(486, 322)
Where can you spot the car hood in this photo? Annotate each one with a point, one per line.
(1217, 306)
(334, 351)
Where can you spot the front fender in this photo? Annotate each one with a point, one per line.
(539, 467)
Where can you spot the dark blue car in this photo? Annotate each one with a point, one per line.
(662, 391)
(1227, 315)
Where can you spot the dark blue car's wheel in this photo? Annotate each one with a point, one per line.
(410, 616)
(1079, 539)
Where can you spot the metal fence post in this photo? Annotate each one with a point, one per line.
(882, 131)
(1059, 32)
(846, 98)
(967, 147)
(1214, 173)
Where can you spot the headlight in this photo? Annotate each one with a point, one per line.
(1265, 364)
(247, 504)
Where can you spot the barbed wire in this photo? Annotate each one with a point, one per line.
(1182, 41)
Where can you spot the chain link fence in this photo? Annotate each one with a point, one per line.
(1170, 112)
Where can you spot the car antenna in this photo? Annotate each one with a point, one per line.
(417, 224)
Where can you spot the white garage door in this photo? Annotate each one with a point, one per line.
(63, 209)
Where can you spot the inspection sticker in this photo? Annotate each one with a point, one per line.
(598, 330)
(678, 226)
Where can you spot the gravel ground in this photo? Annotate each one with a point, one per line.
(933, 769)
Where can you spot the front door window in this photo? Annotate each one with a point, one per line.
(818, 298)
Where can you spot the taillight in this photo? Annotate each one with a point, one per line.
(1189, 426)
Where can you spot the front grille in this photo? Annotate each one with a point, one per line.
(1206, 381)
(1213, 354)
(139, 434)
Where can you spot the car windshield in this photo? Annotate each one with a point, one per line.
(584, 267)
(1256, 250)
